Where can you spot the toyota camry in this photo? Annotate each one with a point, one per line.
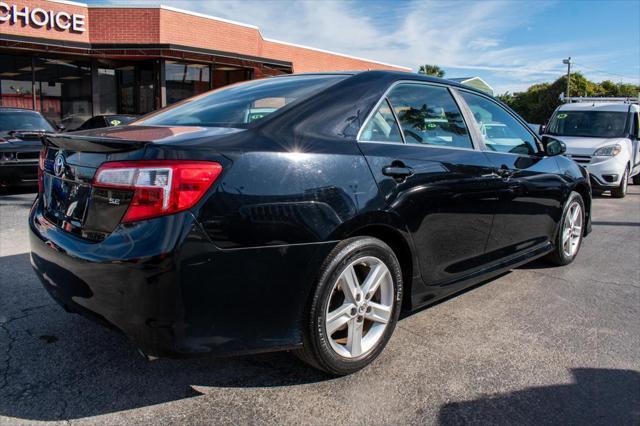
(300, 213)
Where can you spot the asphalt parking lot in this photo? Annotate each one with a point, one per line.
(539, 345)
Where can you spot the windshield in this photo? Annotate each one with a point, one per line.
(23, 120)
(597, 124)
(241, 104)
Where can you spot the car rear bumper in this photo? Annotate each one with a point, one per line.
(174, 293)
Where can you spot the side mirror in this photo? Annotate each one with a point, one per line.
(60, 127)
(553, 146)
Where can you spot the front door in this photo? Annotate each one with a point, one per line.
(528, 185)
(433, 178)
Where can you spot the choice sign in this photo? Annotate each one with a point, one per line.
(42, 18)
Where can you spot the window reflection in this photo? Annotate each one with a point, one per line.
(500, 131)
(428, 115)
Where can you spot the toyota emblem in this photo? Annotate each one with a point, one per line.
(59, 164)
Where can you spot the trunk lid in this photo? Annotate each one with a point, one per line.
(70, 201)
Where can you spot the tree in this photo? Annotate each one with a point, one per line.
(433, 70)
(539, 101)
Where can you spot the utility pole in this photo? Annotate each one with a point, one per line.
(567, 62)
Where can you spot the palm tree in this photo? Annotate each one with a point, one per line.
(433, 70)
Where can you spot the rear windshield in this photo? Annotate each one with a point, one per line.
(598, 124)
(22, 120)
(241, 104)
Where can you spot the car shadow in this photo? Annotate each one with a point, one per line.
(537, 264)
(596, 397)
(19, 189)
(610, 223)
(55, 365)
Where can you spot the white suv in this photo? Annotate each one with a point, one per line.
(602, 135)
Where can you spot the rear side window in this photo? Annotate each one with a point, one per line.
(500, 131)
(241, 104)
(428, 115)
(382, 126)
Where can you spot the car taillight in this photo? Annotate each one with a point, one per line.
(41, 159)
(159, 187)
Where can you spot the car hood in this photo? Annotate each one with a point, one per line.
(586, 146)
(17, 144)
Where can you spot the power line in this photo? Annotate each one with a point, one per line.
(606, 72)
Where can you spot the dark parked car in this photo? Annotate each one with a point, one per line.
(20, 143)
(195, 230)
(100, 121)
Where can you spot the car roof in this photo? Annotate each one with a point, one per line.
(596, 106)
(393, 75)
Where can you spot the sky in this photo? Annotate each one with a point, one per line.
(510, 44)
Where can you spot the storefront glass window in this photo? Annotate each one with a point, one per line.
(107, 92)
(126, 83)
(146, 88)
(63, 89)
(15, 81)
(185, 80)
(224, 75)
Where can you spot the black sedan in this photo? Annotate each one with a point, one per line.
(20, 143)
(205, 228)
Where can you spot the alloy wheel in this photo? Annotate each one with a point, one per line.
(360, 307)
(572, 229)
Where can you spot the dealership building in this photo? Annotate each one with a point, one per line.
(71, 61)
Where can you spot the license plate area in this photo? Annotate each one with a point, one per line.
(66, 202)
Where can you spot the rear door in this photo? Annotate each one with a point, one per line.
(528, 185)
(432, 176)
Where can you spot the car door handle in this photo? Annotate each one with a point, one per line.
(505, 172)
(397, 171)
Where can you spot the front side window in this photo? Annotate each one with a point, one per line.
(500, 131)
(591, 124)
(382, 126)
(241, 104)
(428, 115)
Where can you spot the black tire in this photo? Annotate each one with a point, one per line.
(558, 256)
(621, 190)
(317, 350)
(636, 179)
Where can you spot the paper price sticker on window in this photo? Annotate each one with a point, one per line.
(115, 122)
(561, 116)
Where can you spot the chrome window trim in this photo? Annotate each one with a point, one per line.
(474, 146)
(423, 146)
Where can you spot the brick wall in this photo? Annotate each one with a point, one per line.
(156, 25)
(126, 25)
